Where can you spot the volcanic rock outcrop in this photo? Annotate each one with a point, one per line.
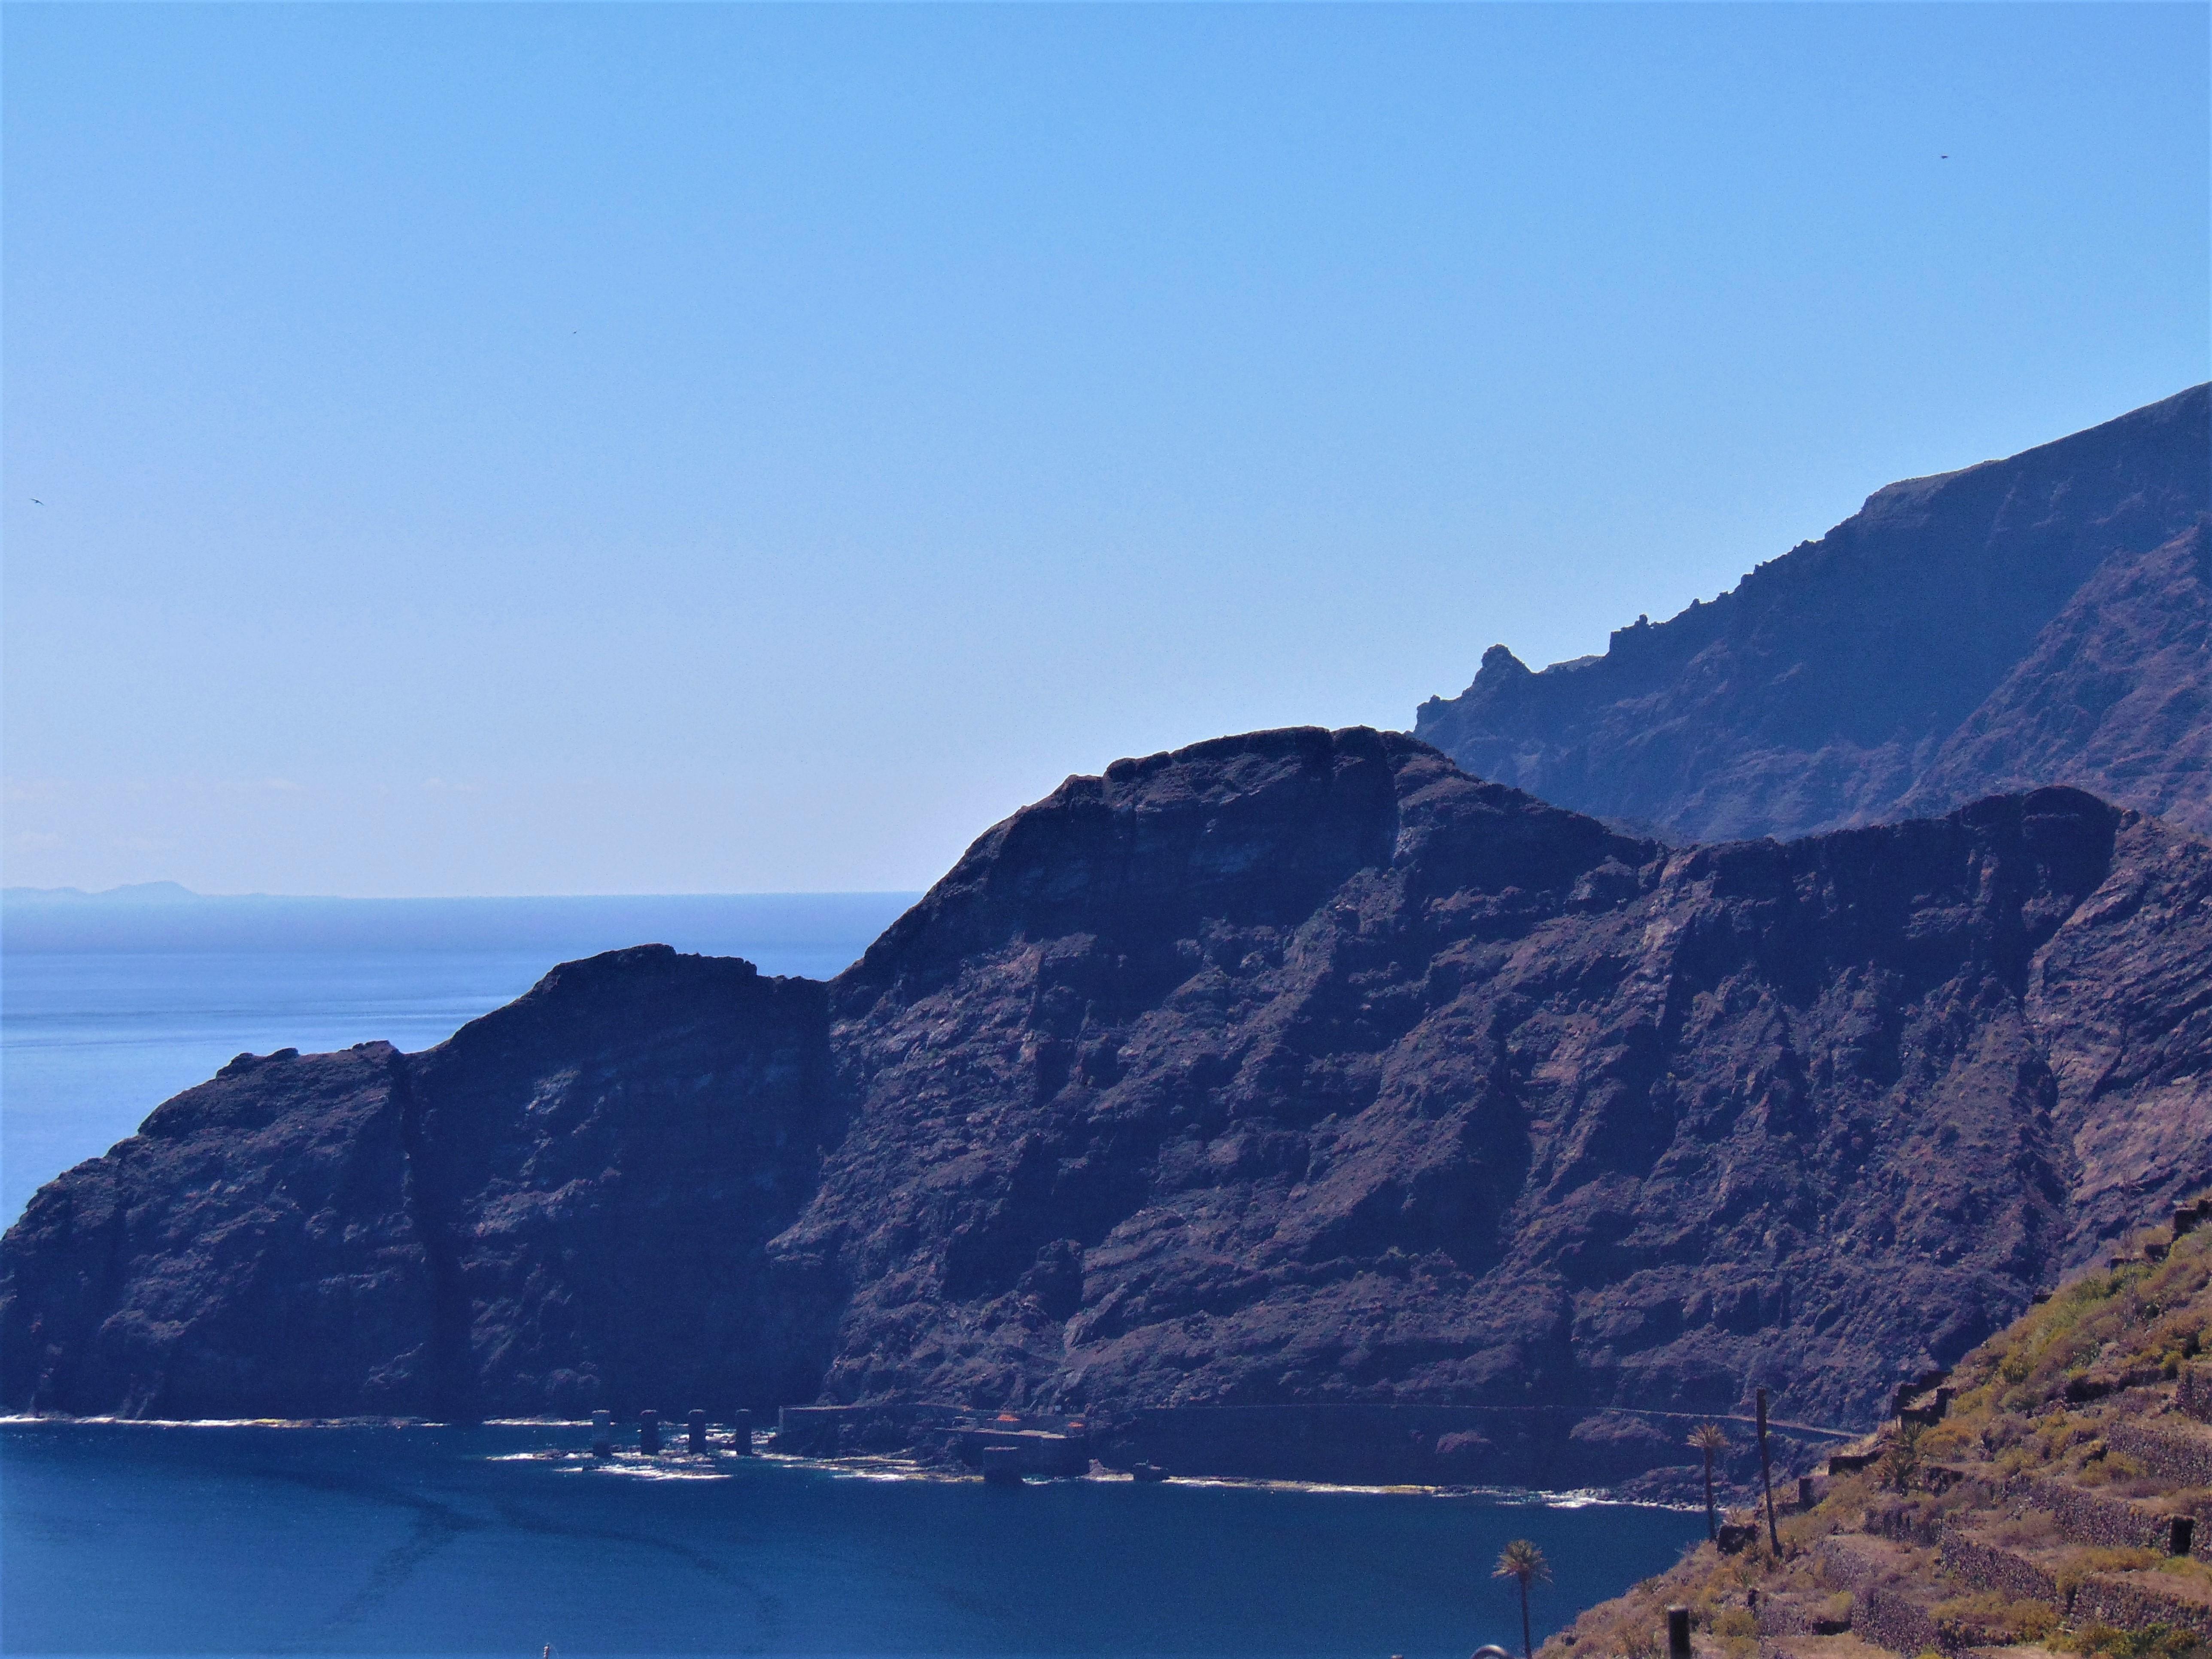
(2045, 619)
(1288, 1070)
(566, 1201)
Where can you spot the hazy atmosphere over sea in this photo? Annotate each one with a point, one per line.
(591, 449)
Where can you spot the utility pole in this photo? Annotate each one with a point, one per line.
(1766, 1479)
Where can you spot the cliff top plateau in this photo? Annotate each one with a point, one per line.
(2041, 620)
(1292, 1103)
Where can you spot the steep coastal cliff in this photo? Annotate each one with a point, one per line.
(565, 1202)
(2041, 620)
(1292, 1070)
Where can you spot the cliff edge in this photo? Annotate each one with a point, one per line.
(2045, 619)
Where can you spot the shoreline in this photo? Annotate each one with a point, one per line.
(675, 1463)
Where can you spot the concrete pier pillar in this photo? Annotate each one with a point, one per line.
(648, 1431)
(1678, 1633)
(1806, 1497)
(741, 1434)
(698, 1426)
(603, 1434)
(1002, 1465)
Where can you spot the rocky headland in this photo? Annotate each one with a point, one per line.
(2041, 620)
(1293, 1104)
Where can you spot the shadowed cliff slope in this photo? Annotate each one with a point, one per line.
(2039, 620)
(1163, 1098)
(565, 1202)
(1294, 1067)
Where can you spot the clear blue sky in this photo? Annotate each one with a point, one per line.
(506, 450)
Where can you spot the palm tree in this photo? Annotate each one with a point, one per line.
(1522, 1560)
(1708, 1439)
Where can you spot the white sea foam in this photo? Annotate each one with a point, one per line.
(724, 1465)
(677, 1464)
(58, 1420)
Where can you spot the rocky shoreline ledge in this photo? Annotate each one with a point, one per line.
(1374, 1445)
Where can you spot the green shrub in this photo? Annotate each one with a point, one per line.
(1900, 1464)
(1988, 1618)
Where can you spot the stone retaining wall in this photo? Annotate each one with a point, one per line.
(1790, 1615)
(1991, 1567)
(1895, 1622)
(2194, 1392)
(1032, 1451)
(1845, 1565)
(2129, 1604)
(1904, 1521)
(2091, 1517)
(2173, 1453)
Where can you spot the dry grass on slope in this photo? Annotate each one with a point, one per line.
(2054, 1493)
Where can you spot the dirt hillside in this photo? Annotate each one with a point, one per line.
(2052, 1493)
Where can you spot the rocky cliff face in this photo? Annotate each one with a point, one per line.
(2115, 693)
(565, 1202)
(1307, 1067)
(2033, 620)
(1290, 1069)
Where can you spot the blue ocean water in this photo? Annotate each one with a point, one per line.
(169, 1539)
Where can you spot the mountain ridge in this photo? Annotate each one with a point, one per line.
(1823, 689)
(1298, 1068)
